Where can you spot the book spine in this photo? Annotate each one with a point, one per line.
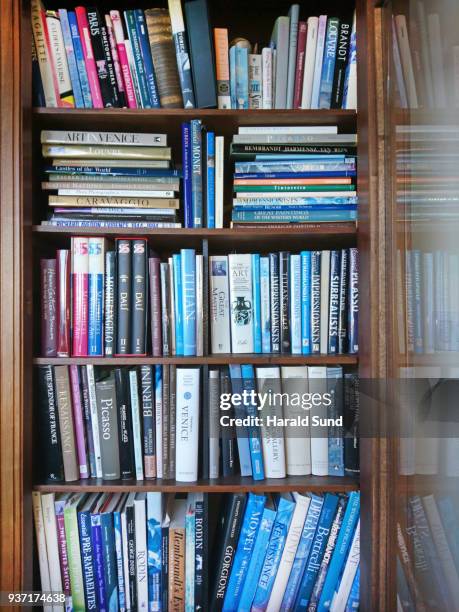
(213, 407)
(154, 560)
(109, 304)
(154, 264)
(306, 302)
(87, 422)
(116, 62)
(96, 537)
(70, 55)
(315, 301)
(130, 574)
(239, 412)
(59, 506)
(45, 63)
(275, 303)
(74, 555)
(265, 306)
(219, 176)
(41, 543)
(284, 278)
(117, 96)
(351, 424)
(342, 56)
(182, 54)
(210, 181)
(188, 306)
(132, 69)
(80, 60)
(222, 67)
(190, 533)
(242, 78)
(196, 172)
(160, 417)
(299, 70)
(255, 81)
(335, 414)
(123, 58)
(165, 310)
(89, 57)
(343, 302)
(172, 420)
(253, 431)
(200, 558)
(49, 307)
(341, 595)
(353, 301)
(256, 300)
(108, 427)
(80, 285)
(298, 216)
(228, 434)
(50, 438)
(293, 14)
(124, 424)
(295, 304)
(417, 297)
(79, 422)
(428, 301)
(64, 406)
(94, 418)
(267, 77)
(139, 66)
(38, 95)
(240, 277)
(146, 57)
(147, 393)
(96, 262)
(350, 81)
(124, 289)
(57, 51)
(328, 67)
(177, 552)
(164, 567)
(104, 60)
(136, 426)
(165, 426)
(117, 530)
(141, 553)
(233, 81)
(187, 424)
(321, 34)
(87, 562)
(139, 292)
(178, 301)
(187, 173)
(333, 311)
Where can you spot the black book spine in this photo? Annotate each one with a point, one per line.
(341, 61)
(99, 56)
(199, 601)
(353, 309)
(52, 467)
(351, 419)
(227, 433)
(87, 420)
(315, 302)
(228, 536)
(164, 568)
(139, 297)
(343, 302)
(130, 528)
(116, 96)
(110, 291)
(275, 302)
(148, 407)
(123, 341)
(333, 313)
(108, 428)
(284, 280)
(126, 444)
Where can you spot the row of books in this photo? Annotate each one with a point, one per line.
(151, 551)
(428, 553)
(288, 186)
(109, 179)
(96, 301)
(154, 422)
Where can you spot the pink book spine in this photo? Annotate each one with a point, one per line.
(78, 422)
(115, 56)
(91, 69)
(299, 74)
(63, 302)
(80, 287)
(63, 558)
(123, 58)
(155, 298)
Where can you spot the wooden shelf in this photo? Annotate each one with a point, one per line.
(227, 485)
(222, 359)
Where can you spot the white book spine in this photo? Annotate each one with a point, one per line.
(159, 425)
(214, 423)
(341, 596)
(45, 61)
(116, 193)
(124, 543)
(309, 61)
(288, 129)
(199, 306)
(324, 301)
(219, 176)
(405, 56)
(265, 305)
(57, 47)
(317, 376)
(295, 304)
(273, 77)
(288, 554)
(94, 419)
(436, 60)
(52, 547)
(103, 138)
(268, 382)
(187, 424)
(321, 33)
(297, 448)
(41, 545)
(219, 304)
(141, 553)
(247, 195)
(132, 69)
(172, 302)
(267, 77)
(241, 306)
(136, 428)
(255, 81)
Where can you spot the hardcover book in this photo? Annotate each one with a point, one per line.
(240, 281)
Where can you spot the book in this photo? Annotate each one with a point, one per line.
(74, 551)
(190, 529)
(71, 59)
(177, 534)
(239, 412)
(154, 560)
(305, 302)
(136, 425)
(59, 59)
(275, 303)
(44, 57)
(51, 539)
(341, 61)
(161, 452)
(48, 426)
(222, 67)
(320, 46)
(143, 84)
(116, 63)
(49, 304)
(80, 286)
(125, 432)
(297, 446)
(267, 77)
(265, 305)
(66, 428)
(328, 66)
(219, 304)
(78, 421)
(144, 43)
(255, 81)
(253, 431)
(94, 419)
(122, 49)
(284, 299)
(324, 300)
(139, 293)
(96, 264)
(256, 300)
(108, 427)
(196, 172)
(280, 40)
(309, 61)
(293, 14)
(350, 82)
(315, 317)
(342, 593)
(141, 571)
(210, 179)
(353, 308)
(214, 422)
(240, 284)
(182, 54)
(189, 297)
(187, 424)
(242, 77)
(102, 58)
(109, 304)
(219, 176)
(124, 295)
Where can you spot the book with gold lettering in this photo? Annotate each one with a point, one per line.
(176, 586)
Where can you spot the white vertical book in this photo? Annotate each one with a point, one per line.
(94, 419)
(324, 299)
(219, 304)
(317, 377)
(219, 174)
(267, 77)
(187, 424)
(140, 538)
(241, 306)
(297, 440)
(405, 57)
(52, 547)
(437, 60)
(214, 423)
(136, 428)
(309, 61)
(41, 545)
(255, 81)
(199, 306)
(341, 596)
(318, 61)
(57, 49)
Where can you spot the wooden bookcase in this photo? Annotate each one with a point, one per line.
(22, 241)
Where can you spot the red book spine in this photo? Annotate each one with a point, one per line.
(80, 286)
(48, 308)
(155, 300)
(300, 53)
(63, 302)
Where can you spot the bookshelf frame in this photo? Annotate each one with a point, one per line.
(18, 236)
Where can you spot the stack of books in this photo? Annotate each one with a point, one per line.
(172, 58)
(145, 422)
(151, 551)
(109, 179)
(293, 174)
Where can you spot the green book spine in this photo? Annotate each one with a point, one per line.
(74, 556)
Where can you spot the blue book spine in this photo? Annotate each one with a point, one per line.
(184, 68)
(240, 413)
(113, 171)
(96, 298)
(256, 300)
(295, 304)
(341, 549)
(119, 560)
(233, 88)
(301, 216)
(328, 66)
(79, 59)
(275, 301)
(343, 302)
(84, 524)
(109, 557)
(450, 523)
(188, 268)
(315, 302)
(353, 325)
(210, 181)
(178, 301)
(196, 171)
(417, 300)
(98, 558)
(273, 554)
(353, 601)
(247, 537)
(144, 90)
(144, 42)
(265, 306)
(242, 78)
(305, 302)
(186, 162)
(333, 310)
(302, 553)
(295, 175)
(253, 431)
(256, 560)
(69, 52)
(154, 545)
(317, 550)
